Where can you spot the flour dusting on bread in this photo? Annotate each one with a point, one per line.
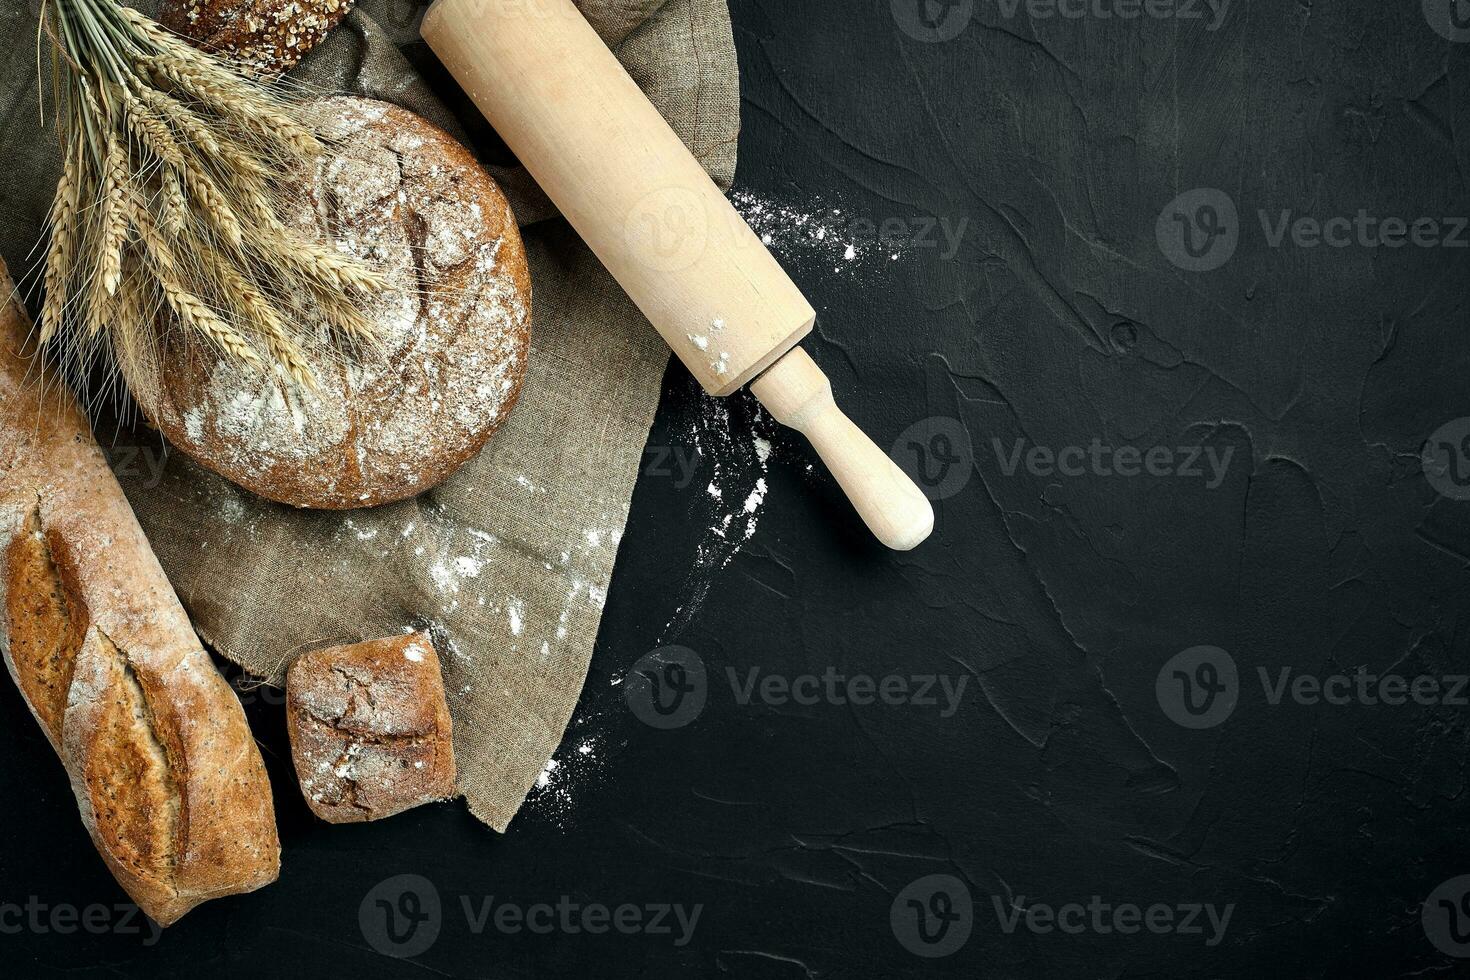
(452, 335)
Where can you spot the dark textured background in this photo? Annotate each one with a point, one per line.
(1060, 320)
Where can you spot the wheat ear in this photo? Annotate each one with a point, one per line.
(63, 245)
(263, 316)
(177, 199)
(197, 314)
(150, 131)
(236, 100)
(214, 206)
(175, 204)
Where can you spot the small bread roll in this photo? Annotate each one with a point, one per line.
(370, 729)
(454, 330)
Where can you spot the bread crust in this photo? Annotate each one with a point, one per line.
(263, 38)
(168, 779)
(406, 198)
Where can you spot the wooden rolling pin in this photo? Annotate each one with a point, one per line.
(636, 195)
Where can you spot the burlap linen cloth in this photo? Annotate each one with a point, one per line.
(509, 561)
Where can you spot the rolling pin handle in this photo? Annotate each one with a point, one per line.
(799, 395)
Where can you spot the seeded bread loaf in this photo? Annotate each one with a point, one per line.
(370, 728)
(454, 330)
(167, 776)
(263, 38)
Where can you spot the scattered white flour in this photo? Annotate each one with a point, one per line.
(443, 576)
(580, 766)
(544, 780)
(756, 498)
(733, 436)
(814, 231)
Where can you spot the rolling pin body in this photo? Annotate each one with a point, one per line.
(625, 181)
(632, 190)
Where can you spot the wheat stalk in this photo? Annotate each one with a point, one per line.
(113, 221)
(286, 352)
(198, 314)
(63, 243)
(210, 201)
(235, 101)
(187, 171)
(175, 204)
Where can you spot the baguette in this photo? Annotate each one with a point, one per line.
(169, 781)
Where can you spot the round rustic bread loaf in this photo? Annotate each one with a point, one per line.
(454, 330)
(261, 37)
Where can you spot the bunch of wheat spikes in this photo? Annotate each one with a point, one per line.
(170, 212)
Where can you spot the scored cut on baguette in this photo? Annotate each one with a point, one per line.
(168, 778)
